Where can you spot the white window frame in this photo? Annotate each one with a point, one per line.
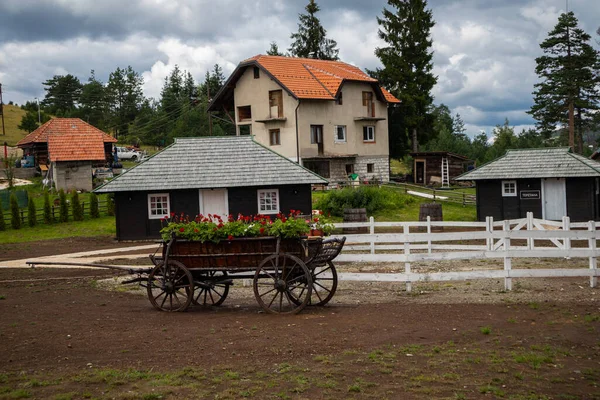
(335, 134)
(158, 216)
(370, 128)
(509, 193)
(274, 207)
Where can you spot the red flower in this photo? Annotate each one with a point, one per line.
(283, 219)
(172, 214)
(263, 222)
(182, 229)
(262, 230)
(229, 237)
(220, 225)
(196, 230)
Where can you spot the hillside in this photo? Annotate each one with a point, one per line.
(12, 118)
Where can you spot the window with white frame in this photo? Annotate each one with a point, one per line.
(509, 188)
(158, 205)
(368, 133)
(340, 133)
(268, 201)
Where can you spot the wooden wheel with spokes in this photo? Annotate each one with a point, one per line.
(213, 292)
(170, 287)
(282, 284)
(324, 284)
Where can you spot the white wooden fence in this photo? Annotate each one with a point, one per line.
(488, 240)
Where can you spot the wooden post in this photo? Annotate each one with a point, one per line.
(429, 233)
(489, 228)
(593, 259)
(406, 231)
(566, 221)
(530, 241)
(507, 259)
(372, 232)
(22, 217)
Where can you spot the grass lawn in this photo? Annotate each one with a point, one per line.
(12, 118)
(90, 227)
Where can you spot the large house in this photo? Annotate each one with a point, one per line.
(327, 115)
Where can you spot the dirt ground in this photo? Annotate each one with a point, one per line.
(76, 333)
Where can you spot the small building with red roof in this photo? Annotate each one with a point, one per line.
(327, 115)
(69, 148)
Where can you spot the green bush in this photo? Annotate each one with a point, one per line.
(48, 219)
(370, 197)
(64, 207)
(110, 205)
(2, 223)
(76, 206)
(94, 212)
(31, 212)
(15, 220)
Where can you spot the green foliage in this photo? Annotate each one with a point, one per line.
(110, 205)
(48, 218)
(62, 95)
(310, 41)
(76, 207)
(124, 93)
(374, 199)
(2, 222)
(15, 220)
(64, 207)
(29, 122)
(94, 212)
(31, 212)
(274, 50)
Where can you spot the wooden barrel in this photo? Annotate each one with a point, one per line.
(433, 210)
(355, 215)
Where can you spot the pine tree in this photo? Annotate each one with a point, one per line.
(48, 219)
(569, 91)
(76, 207)
(94, 212)
(406, 73)
(2, 222)
(274, 50)
(64, 208)
(110, 205)
(31, 212)
(15, 220)
(310, 41)
(29, 122)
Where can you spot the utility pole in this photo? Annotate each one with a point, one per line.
(2, 111)
(39, 114)
(208, 102)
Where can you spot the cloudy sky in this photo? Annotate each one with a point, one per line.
(484, 50)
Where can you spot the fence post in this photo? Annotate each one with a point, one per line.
(489, 228)
(507, 259)
(464, 199)
(429, 233)
(22, 217)
(593, 259)
(372, 232)
(530, 241)
(406, 231)
(434, 195)
(566, 227)
(83, 208)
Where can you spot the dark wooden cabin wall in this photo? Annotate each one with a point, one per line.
(489, 200)
(530, 205)
(581, 197)
(292, 197)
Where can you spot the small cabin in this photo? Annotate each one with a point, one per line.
(438, 167)
(549, 182)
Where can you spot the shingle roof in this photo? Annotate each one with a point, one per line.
(212, 162)
(306, 78)
(535, 163)
(61, 126)
(76, 146)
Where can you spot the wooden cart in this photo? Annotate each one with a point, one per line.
(287, 274)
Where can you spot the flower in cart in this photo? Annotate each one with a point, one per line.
(322, 224)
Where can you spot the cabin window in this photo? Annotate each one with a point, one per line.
(339, 101)
(509, 188)
(318, 167)
(245, 130)
(256, 72)
(244, 113)
(367, 101)
(274, 136)
(158, 205)
(276, 103)
(349, 169)
(370, 168)
(368, 133)
(340, 133)
(268, 201)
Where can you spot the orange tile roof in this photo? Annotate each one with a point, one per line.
(308, 78)
(61, 126)
(76, 146)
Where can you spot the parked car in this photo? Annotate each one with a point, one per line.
(123, 153)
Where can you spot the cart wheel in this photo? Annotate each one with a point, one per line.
(282, 284)
(324, 281)
(170, 287)
(216, 294)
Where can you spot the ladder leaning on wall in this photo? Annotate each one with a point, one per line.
(445, 173)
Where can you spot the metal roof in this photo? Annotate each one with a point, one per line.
(535, 163)
(212, 162)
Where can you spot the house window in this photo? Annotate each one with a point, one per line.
(368, 133)
(268, 201)
(158, 205)
(316, 134)
(276, 103)
(509, 188)
(349, 169)
(318, 167)
(339, 101)
(256, 73)
(274, 137)
(245, 130)
(367, 101)
(244, 113)
(340, 133)
(370, 168)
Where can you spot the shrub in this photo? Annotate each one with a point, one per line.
(94, 212)
(64, 207)
(31, 212)
(15, 220)
(76, 206)
(48, 218)
(370, 197)
(2, 223)
(110, 205)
